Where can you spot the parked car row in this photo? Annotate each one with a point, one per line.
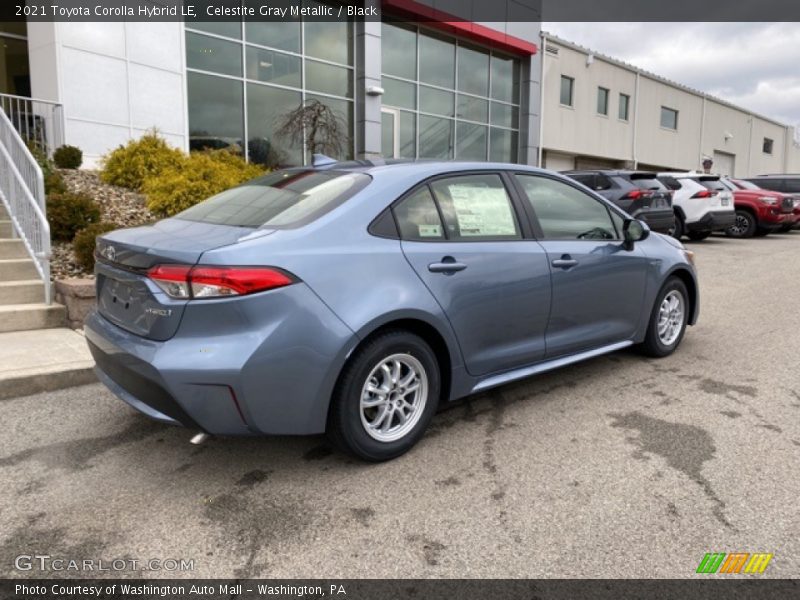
(696, 204)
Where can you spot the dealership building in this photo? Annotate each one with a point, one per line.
(458, 90)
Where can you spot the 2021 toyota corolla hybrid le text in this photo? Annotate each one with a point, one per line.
(354, 299)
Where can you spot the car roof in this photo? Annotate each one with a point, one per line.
(776, 175)
(624, 172)
(412, 166)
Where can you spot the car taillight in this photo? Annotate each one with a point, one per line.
(705, 194)
(203, 281)
(636, 194)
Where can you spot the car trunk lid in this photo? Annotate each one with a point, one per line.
(126, 296)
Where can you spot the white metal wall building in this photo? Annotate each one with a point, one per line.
(600, 112)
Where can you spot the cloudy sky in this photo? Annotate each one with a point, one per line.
(754, 65)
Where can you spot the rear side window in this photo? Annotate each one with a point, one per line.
(791, 185)
(476, 207)
(418, 218)
(283, 199)
(775, 185)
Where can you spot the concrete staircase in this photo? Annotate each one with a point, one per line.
(22, 304)
(37, 352)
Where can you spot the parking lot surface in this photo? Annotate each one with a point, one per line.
(618, 467)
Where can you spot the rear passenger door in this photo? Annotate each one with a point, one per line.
(598, 285)
(462, 235)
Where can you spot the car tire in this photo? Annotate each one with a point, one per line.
(390, 362)
(678, 229)
(745, 225)
(666, 327)
(698, 236)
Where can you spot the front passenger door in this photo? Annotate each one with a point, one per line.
(598, 285)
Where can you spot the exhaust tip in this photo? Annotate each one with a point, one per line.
(199, 438)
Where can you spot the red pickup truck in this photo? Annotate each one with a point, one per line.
(758, 212)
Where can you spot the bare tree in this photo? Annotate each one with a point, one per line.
(316, 126)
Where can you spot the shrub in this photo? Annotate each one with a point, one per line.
(129, 165)
(54, 184)
(85, 240)
(68, 157)
(68, 213)
(41, 157)
(198, 177)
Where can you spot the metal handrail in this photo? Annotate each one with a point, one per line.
(22, 194)
(38, 122)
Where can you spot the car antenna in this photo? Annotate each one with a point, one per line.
(321, 160)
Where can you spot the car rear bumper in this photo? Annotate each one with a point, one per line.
(660, 220)
(713, 221)
(261, 364)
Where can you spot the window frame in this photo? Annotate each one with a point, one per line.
(627, 117)
(771, 146)
(571, 91)
(534, 219)
(661, 119)
(378, 226)
(600, 91)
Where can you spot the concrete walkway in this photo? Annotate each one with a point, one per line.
(43, 360)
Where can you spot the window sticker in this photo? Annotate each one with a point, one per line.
(482, 210)
(434, 231)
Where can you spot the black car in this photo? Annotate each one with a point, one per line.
(788, 183)
(638, 193)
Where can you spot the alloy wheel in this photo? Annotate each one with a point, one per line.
(670, 318)
(393, 397)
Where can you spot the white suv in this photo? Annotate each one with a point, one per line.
(702, 204)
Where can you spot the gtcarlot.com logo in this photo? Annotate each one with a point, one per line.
(45, 562)
(735, 562)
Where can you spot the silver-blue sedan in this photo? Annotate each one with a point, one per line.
(355, 298)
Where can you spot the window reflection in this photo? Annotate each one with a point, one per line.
(215, 112)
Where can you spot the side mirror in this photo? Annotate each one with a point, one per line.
(633, 231)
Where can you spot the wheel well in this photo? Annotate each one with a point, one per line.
(431, 336)
(679, 213)
(691, 287)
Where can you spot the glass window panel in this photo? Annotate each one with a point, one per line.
(408, 134)
(476, 207)
(502, 145)
(231, 29)
(624, 103)
(387, 134)
(471, 141)
(272, 66)
(505, 79)
(215, 111)
(329, 79)
(565, 212)
(398, 51)
(669, 118)
(343, 109)
(437, 61)
(435, 137)
(399, 93)
(330, 40)
(567, 86)
(505, 115)
(284, 35)
(473, 71)
(436, 101)
(266, 107)
(14, 70)
(602, 101)
(212, 54)
(472, 109)
(417, 217)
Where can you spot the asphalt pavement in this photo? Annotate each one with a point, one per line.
(618, 467)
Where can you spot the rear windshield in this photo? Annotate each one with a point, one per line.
(715, 185)
(647, 182)
(283, 199)
(670, 182)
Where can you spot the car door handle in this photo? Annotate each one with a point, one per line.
(565, 262)
(448, 265)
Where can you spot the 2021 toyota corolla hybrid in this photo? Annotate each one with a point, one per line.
(356, 298)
